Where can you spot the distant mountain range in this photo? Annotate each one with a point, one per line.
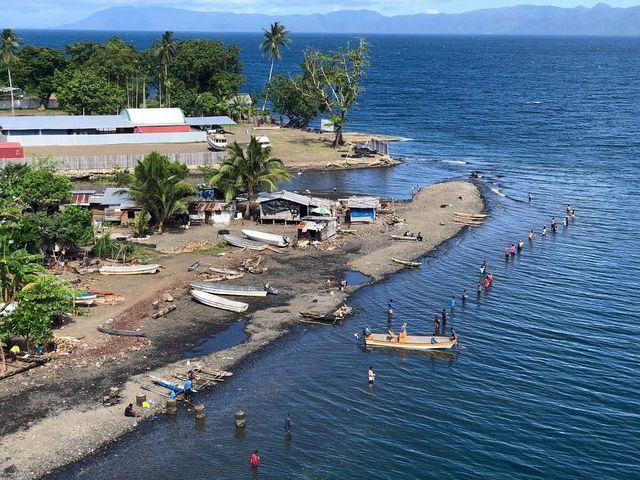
(520, 20)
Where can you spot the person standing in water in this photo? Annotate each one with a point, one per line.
(288, 424)
(464, 297)
(390, 307)
(452, 302)
(531, 235)
(529, 197)
(372, 376)
(544, 230)
(479, 289)
(255, 460)
(520, 246)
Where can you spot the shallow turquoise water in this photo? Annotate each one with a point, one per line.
(547, 386)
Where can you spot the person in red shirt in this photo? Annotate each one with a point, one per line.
(255, 460)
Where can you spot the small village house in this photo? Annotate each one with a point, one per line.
(113, 205)
(211, 209)
(316, 228)
(361, 209)
(284, 206)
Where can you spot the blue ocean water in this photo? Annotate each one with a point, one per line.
(547, 386)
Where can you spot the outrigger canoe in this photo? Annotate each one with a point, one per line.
(406, 263)
(408, 342)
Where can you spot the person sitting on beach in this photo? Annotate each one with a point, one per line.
(407, 234)
(419, 237)
(130, 412)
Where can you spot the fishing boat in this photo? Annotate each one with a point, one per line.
(234, 290)
(217, 141)
(406, 342)
(85, 299)
(404, 237)
(332, 318)
(215, 301)
(129, 269)
(121, 333)
(406, 263)
(243, 242)
(268, 238)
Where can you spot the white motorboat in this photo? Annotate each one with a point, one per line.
(217, 141)
(268, 238)
(243, 242)
(219, 302)
(234, 290)
(129, 269)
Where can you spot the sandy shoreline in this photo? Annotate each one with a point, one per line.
(53, 415)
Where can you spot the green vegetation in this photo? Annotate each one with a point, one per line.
(199, 76)
(249, 171)
(9, 46)
(276, 37)
(160, 188)
(285, 97)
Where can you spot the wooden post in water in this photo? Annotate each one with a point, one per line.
(241, 419)
(200, 413)
(140, 399)
(171, 406)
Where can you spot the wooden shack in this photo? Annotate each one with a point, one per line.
(284, 206)
(317, 229)
(361, 209)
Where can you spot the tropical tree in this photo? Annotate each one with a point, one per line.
(42, 189)
(272, 41)
(336, 80)
(9, 46)
(248, 171)
(284, 93)
(164, 51)
(83, 91)
(17, 269)
(160, 187)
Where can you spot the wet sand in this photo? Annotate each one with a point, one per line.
(53, 414)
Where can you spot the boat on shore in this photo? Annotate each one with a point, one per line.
(121, 333)
(129, 269)
(215, 301)
(233, 290)
(407, 263)
(268, 238)
(244, 242)
(403, 341)
(405, 237)
(85, 299)
(217, 141)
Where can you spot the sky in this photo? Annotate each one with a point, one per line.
(52, 13)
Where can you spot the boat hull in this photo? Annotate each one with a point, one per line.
(412, 342)
(229, 290)
(406, 263)
(244, 243)
(404, 238)
(268, 238)
(129, 270)
(215, 301)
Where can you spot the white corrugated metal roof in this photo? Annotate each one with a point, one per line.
(201, 121)
(155, 116)
(65, 122)
(294, 197)
(363, 202)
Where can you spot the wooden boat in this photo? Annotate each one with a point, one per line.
(166, 384)
(225, 271)
(215, 301)
(129, 269)
(193, 266)
(407, 342)
(268, 238)
(243, 242)
(85, 299)
(234, 290)
(404, 237)
(337, 316)
(470, 215)
(406, 263)
(217, 141)
(121, 333)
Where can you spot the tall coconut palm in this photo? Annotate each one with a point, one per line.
(248, 171)
(9, 46)
(160, 188)
(276, 37)
(164, 51)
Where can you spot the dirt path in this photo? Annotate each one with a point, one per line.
(65, 396)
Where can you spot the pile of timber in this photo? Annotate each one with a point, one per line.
(21, 365)
(469, 219)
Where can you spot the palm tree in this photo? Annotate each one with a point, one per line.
(9, 46)
(248, 171)
(164, 52)
(160, 188)
(274, 38)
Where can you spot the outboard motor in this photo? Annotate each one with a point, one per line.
(366, 331)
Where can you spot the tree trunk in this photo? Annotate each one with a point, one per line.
(160, 92)
(4, 362)
(264, 105)
(11, 90)
(247, 208)
(166, 91)
(338, 141)
(160, 227)
(144, 94)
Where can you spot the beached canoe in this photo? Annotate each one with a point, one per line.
(406, 263)
(470, 215)
(121, 333)
(234, 290)
(268, 238)
(128, 269)
(168, 385)
(404, 237)
(193, 266)
(408, 342)
(215, 301)
(85, 299)
(244, 242)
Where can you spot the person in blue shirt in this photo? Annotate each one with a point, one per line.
(188, 387)
(390, 307)
(452, 302)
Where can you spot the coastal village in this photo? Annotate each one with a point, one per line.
(156, 230)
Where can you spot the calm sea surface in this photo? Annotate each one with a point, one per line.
(548, 385)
